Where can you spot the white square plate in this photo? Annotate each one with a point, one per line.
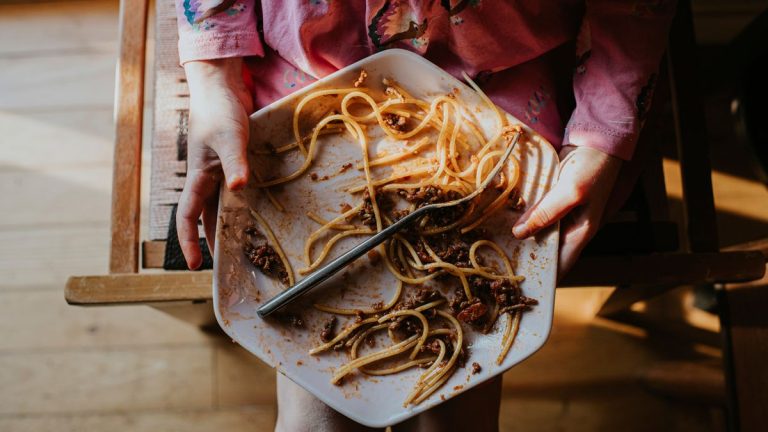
(239, 289)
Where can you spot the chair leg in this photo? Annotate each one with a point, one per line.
(745, 351)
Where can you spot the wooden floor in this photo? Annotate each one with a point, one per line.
(136, 369)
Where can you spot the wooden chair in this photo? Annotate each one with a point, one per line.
(650, 260)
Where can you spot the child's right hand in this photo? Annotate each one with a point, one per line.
(216, 147)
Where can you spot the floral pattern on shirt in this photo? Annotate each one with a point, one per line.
(197, 12)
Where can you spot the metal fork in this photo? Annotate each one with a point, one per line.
(322, 274)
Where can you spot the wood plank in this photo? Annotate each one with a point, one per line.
(252, 418)
(112, 380)
(43, 258)
(575, 357)
(32, 141)
(38, 29)
(666, 268)
(614, 409)
(60, 196)
(690, 381)
(41, 320)
(58, 82)
(241, 378)
(129, 106)
(152, 254)
(139, 288)
(747, 325)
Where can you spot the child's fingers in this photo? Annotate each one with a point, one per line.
(574, 236)
(198, 188)
(210, 213)
(555, 204)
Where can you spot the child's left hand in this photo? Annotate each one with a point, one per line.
(587, 177)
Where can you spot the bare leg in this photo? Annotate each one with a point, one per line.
(477, 410)
(299, 411)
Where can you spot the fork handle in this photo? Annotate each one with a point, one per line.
(333, 267)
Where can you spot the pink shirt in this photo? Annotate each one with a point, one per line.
(578, 73)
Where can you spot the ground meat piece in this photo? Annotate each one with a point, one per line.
(426, 295)
(515, 201)
(476, 368)
(379, 305)
(359, 316)
(345, 167)
(432, 346)
(422, 196)
(313, 176)
(370, 340)
(459, 298)
(366, 214)
(395, 122)
(374, 257)
(421, 252)
(406, 326)
(504, 292)
(422, 296)
(328, 331)
(456, 252)
(265, 258)
(399, 214)
(431, 195)
(472, 312)
(479, 284)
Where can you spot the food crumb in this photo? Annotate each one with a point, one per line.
(373, 257)
(533, 256)
(515, 201)
(299, 363)
(392, 92)
(361, 78)
(458, 387)
(345, 167)
(313, 176)
(329, 330)
(476, 368)
(395, 122)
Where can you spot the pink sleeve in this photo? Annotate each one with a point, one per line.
(619, 48)
(206, 34)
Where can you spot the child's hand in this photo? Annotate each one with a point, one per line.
(586, 181)
(216, 147)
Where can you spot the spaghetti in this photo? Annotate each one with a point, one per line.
(448, 157)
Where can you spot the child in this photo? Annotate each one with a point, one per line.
(581, 75)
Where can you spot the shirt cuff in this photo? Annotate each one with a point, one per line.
(217, 46)
(615, 143)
